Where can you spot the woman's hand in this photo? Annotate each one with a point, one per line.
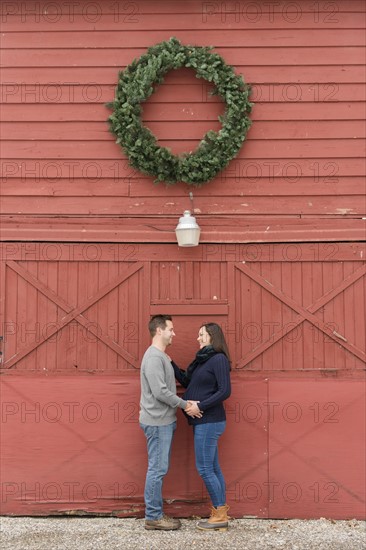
(193, 410)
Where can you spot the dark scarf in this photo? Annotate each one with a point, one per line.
(202, 356)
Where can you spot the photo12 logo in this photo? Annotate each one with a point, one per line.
(290, 412)
(69, 412)
(70, 12)
(290, 492)
(269, 12)
(68, 491)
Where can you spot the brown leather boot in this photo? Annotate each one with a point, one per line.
(165, 523)
(218, 520)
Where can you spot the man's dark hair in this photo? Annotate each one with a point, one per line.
(158, 321)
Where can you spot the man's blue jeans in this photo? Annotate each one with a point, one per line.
(206, 438)
(159, 443)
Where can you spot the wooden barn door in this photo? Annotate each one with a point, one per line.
(294, 312)
(66, 310)
(196, 291)
(298, 326)
(74, 320)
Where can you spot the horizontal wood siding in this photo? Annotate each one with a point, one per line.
(301, 164)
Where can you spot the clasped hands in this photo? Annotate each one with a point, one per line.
(193, 410)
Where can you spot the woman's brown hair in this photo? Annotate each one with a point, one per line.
(218, 341)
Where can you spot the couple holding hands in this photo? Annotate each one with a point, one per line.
(207, 383)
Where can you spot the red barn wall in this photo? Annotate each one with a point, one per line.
(89, 253)
(301, 165)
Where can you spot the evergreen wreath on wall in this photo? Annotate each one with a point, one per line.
(216, 149)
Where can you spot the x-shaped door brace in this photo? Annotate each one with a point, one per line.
(290, 447)
(304, 314)
(71, 428)
(72, 313)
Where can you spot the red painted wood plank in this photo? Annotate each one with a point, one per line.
(222, 186)
(73, 76)
(328, 285)
(163, 7)
(240, 232)
(2, 306)
(54, 348)
(248, 253)
(265, 111)
(64, 187)
(177, 112)
(189, 91)
(201, 309)
(254, 320)
(107, 150)
(296, 337)
(21, 313)
(108, 315)
(10, 312)
(283, 351)
(246, 186)
(146, 7)
(352, 55)
(356, 316)
(92, 131)
(318, 350)
(325, 170)
(349, 324)
(137, 38)
(69, 294)
(289, 252)
(63, 21)
(345, 205)
(338, 317)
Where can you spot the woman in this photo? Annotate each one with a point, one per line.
(207, 380)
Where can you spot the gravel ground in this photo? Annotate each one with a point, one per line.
(61, 533)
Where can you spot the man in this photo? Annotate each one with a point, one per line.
(158, 406)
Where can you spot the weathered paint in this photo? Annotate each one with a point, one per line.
(74, 315)
(75, 329)
(301, 167)
(73, 445)
(83, 307)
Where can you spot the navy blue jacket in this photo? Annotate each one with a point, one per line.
(210, 385)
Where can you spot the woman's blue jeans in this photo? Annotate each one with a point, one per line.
(159, 443)
(206, 438)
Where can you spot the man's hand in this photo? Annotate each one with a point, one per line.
(192, 409)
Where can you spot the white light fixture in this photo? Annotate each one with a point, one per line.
(187, 230)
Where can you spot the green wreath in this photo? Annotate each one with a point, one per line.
(216, 149)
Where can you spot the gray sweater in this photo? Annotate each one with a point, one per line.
(159, 400)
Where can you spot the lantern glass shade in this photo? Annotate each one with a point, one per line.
(187, 230)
